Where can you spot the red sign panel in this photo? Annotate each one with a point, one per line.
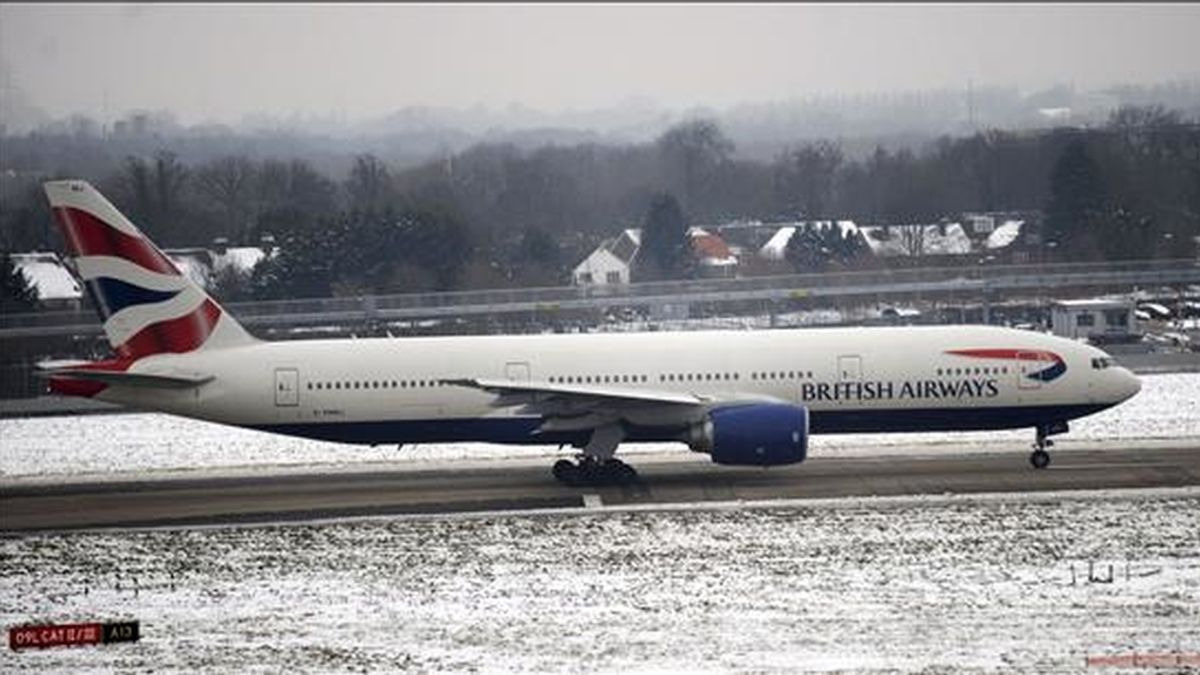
(38, 637)
(62, 635)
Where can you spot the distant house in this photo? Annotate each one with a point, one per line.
(202, 265)
(55, 287)
(612, 262)
(713, 255)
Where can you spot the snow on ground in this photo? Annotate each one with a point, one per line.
(1168, 408)
(938, 585)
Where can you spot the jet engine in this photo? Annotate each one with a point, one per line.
(762, 434)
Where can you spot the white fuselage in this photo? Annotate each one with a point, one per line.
(393, 390)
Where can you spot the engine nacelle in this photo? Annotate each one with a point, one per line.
(761, 434)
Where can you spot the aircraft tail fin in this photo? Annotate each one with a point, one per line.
(146, 304)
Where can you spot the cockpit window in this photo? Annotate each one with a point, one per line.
(1100, 363)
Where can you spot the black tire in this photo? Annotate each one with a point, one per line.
(626, 475)
(1040, 459)
(566, 472)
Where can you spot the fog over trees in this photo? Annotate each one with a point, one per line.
(522, 211)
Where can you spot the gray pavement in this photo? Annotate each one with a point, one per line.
(266, 498)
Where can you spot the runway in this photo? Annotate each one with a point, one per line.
(265, 497)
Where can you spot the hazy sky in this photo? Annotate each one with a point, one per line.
(218, 62)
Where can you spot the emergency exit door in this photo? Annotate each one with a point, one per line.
(287, 387)
(517, 371)
(849, 367)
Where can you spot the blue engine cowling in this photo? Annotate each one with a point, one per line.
(762, 434)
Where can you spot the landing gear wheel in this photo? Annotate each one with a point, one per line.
(592, 472)
(1040, 459)
(566, 472)
(619, 473)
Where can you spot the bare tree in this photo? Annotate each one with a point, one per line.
(369, 185)
(912, 240)
(805, 178)
(229, 183)
(692, 152)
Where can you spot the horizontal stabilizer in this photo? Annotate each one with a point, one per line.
(172, 380)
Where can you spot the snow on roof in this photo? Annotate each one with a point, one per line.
(776, 246)
(1095, 303)
(1005, 234)
(241, 258)
(712, 249)
(907, 240)
(191, 262)
(45, 273)
(600, 260)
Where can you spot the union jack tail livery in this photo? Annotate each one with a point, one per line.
(147, 305)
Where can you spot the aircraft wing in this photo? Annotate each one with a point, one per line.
(580, 392)
(582, 407)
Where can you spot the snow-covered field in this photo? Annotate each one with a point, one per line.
(1167, 408)
(936, 584)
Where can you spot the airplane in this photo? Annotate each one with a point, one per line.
(748, 398)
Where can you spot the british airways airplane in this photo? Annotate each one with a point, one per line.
(744, 398)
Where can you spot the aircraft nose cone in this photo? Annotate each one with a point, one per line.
(1128, 385)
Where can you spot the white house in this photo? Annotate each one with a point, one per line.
(601, 268)
(611, 262)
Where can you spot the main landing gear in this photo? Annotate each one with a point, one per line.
(590, 471)
(597, 465)
(1040, 459)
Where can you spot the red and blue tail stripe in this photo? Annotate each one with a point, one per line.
(148, 306)
(182, 334)
(87, 235)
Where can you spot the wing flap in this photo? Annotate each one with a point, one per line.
(510, 389)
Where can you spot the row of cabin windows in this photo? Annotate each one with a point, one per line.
(789, 375)
(995, 370)
(597, 379)
(375, 384)
(697, 377)
(627, 379)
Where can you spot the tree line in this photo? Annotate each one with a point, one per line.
(495, 215)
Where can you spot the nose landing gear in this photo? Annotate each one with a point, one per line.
(1040, 458)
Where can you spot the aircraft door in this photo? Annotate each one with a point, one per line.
(849, 367)
(287, 387)
(517, 371)
(1027, 364)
